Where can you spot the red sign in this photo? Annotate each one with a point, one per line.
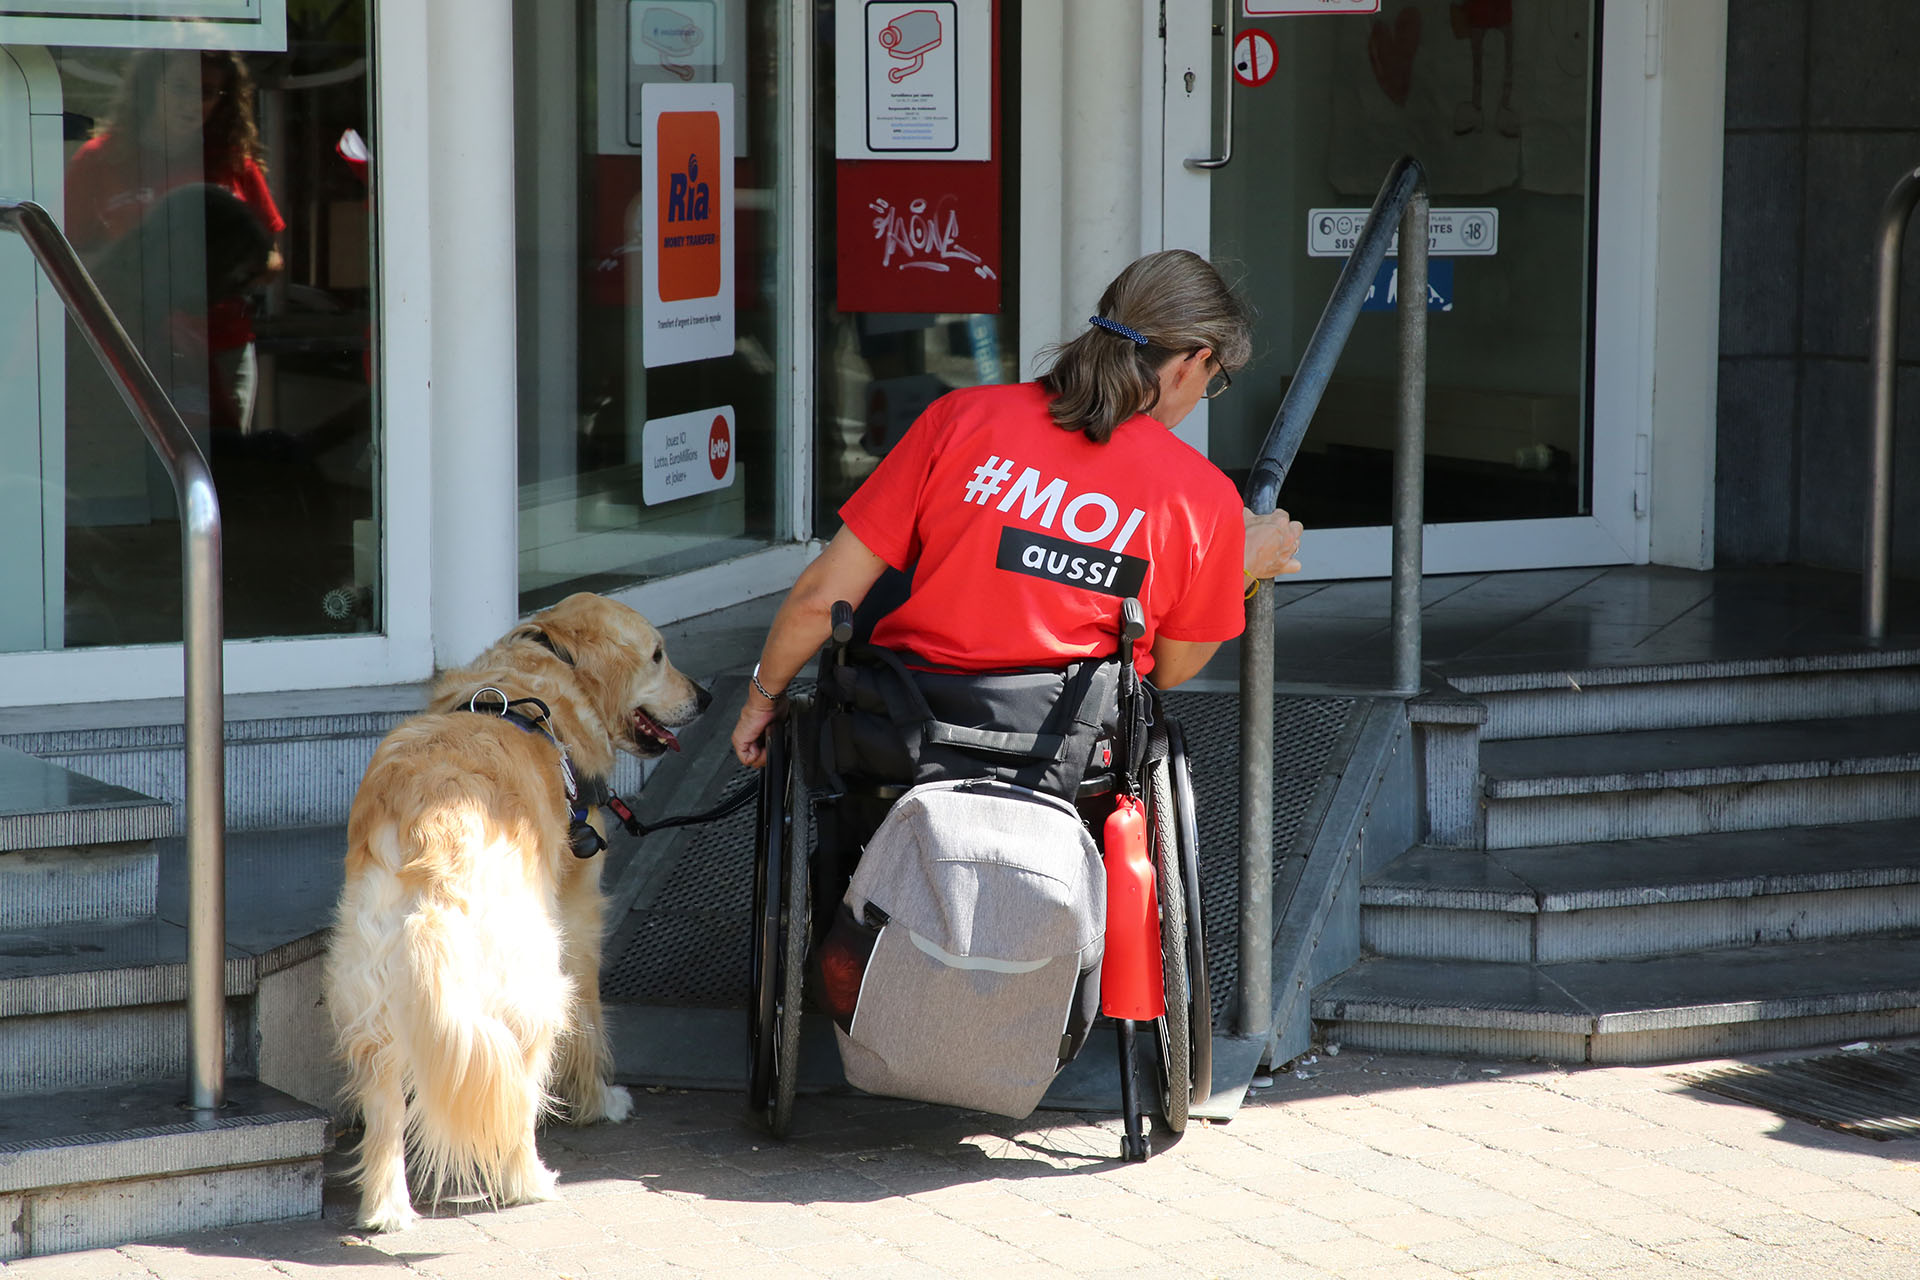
(1254, 57)
(719, 446)
(919, 235)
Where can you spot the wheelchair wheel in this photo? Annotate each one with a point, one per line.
(1173, 1028)
(1187, 832)
(779, 936)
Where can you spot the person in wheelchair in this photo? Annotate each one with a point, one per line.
(1025, 514)
(1024, 517)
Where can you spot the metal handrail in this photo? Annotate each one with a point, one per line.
(200, 546)
(1403, 200)
(1882, 366)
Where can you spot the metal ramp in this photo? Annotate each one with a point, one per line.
(675, 978)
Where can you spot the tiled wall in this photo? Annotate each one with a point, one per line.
(1823, 114)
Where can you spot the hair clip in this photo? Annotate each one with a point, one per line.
(1114, 326)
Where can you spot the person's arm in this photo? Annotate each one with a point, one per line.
(1177, 661)
(846, 570)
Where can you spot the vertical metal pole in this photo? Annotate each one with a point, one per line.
(200, 545)
(1410, 446)
(1882, 368)
(1255, 997)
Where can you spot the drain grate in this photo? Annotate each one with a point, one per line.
(1869, 1093)
(687, 945)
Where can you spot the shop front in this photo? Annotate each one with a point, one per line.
(474, 305)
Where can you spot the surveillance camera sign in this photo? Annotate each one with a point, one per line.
(915, 80)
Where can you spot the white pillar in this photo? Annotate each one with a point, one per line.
(1101, 171)
(470, 211)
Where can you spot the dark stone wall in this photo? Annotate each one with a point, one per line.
(1823, 115)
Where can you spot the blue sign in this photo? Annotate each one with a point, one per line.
(1384, 293)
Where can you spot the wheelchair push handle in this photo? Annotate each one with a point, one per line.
(842, 622)
(1133, 620)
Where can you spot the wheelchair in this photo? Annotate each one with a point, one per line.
(794, 890)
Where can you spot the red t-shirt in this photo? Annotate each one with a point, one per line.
(106, 198)
(1024, 538)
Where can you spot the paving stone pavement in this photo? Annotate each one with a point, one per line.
(1363, 1167)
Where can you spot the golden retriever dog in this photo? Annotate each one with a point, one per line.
(463, 973)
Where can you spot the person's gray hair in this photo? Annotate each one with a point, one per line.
(1178, 303)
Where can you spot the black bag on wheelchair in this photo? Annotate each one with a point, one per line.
(882, 722)
(963, 964)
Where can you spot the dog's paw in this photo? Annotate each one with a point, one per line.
(531, 1182)
(616, 1104)
(387, 1215)
(608, 1102)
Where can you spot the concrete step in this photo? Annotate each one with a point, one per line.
(1621, 786)
(1711, 1003)
(100, 1004)
(292, 759)
(73, 848)
(93, 1168)
(1562, 701)
(1659, 896)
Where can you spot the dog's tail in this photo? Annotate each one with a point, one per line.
(481, 1030)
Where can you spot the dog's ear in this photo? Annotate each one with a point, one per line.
(534, 632)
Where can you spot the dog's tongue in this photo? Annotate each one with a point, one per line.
(653, 729)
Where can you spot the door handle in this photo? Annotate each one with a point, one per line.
(1226, 105)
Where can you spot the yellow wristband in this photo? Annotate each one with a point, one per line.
(1253, 585)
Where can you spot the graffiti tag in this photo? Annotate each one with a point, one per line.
(923, 237)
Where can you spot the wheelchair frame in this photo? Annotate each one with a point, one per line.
(782, 926)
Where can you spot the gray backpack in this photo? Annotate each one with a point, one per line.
(981, 909)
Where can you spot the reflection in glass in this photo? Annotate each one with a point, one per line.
(207, 194)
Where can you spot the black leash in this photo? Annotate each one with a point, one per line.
(635, 827)
(585, 841)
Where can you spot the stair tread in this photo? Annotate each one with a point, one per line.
(1572, 678)
(1653, 870)
(129, 1131)
(1740, 984)
(1584, 764)
(281, 890)
(47, 806)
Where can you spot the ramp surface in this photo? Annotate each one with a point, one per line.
(682, 947)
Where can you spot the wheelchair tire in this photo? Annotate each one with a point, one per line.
(1187, 831)
(795, 930)
(772, 845)
(1173, 1028)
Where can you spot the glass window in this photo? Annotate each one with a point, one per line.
(655, 287)
(1497, 99)
(221, 201)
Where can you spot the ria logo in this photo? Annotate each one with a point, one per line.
(687, 197)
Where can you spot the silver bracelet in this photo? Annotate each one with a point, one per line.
(770, 697)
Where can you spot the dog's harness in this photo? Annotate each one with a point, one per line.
(581, 837)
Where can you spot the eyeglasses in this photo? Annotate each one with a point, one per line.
(1217, 385)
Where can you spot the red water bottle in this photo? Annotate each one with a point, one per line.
(1132, 984)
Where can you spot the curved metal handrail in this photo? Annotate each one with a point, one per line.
(200, 547)
(1883, 365)
(1402, 202)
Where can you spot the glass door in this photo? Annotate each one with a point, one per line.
(1501, 101)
